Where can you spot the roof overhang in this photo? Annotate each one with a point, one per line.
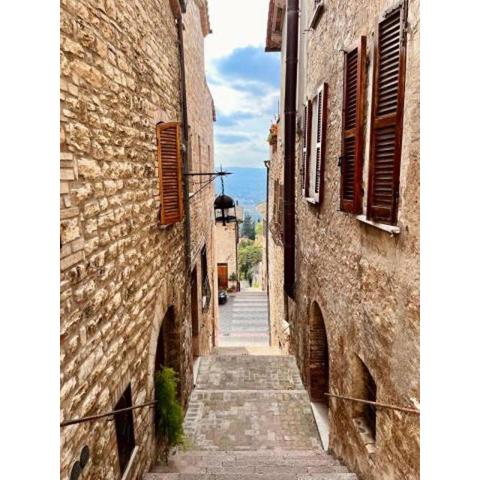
(276, 14)
(204, 17)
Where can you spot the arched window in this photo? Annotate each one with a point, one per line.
(318, 356)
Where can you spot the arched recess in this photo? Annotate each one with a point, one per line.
(167, 354)
(318, 366)
(364, 388)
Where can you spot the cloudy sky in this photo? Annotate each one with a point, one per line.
(244, 81)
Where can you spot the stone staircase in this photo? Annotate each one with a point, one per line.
(250, 418)
(245, 465)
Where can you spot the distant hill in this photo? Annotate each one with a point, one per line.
(247, 186)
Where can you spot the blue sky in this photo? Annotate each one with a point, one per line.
(244, 81)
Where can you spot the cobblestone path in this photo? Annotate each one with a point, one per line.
(244, 320)
(250, 418)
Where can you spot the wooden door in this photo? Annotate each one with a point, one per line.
(318, 361)
(223, 276)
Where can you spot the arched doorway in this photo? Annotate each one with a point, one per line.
(318, 357)
(167, 353)
(195, 314)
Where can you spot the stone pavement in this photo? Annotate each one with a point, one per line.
(244, 320)
(250, 418)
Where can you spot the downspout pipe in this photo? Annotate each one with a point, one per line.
(186, 143)
(290, 114)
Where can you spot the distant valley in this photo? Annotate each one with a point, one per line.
(247, 186)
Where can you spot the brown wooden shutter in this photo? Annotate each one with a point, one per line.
(170, 173)
(307, 141)
(321, 118)
(351, 161)
(387, 118)
(282, 209)
(275, 201)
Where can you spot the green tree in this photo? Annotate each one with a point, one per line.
(249, 256)
(248, 227)
(259, 229)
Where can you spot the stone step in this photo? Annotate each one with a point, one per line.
(251, 469)
(250, 476)
(249, 373)
(252, 461)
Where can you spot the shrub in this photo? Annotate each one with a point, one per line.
(168, 412)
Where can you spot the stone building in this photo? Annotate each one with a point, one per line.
(227, 236)
(126, 240)
(201, 115)
(279, 327)
(351, 272)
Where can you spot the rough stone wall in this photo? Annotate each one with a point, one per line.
(120, 271)
(226, 248)
(200, 118)
(365, 281)
(279, 331)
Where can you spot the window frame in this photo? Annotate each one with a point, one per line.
(125, 451)
(357, 132)
(395, 121)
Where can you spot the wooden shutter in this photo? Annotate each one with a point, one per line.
(387, 118)
(307, 136)
(170, 173)
(351, 161)
(321, 119)
(275, 202)
(282, 209)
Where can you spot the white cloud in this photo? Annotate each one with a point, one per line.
(239, 24)
(230, 100)
(235, 24)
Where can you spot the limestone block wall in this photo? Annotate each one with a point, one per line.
(279, 333)
(200, 118)
(365, 280)
(120, 271)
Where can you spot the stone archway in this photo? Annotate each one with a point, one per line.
(318, 366)
(166, 353)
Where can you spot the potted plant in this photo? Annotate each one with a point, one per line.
(168, 413)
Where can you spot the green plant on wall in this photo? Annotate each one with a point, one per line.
(168, 412)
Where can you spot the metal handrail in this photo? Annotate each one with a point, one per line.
(376, 404)
(93, 418)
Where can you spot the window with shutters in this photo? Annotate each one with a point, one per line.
(170, 173)
(351, 160)
(387, 118)
(281, 210)
(275, 202)
(124, 429)
(307, 127)
(314, 146)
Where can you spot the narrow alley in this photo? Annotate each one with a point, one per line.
(244, 320)
(250, 418)
(239, 238)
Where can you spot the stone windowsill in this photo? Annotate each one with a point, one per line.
(392, 229)
(128, 470)
(316, 15)
(311, 200)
